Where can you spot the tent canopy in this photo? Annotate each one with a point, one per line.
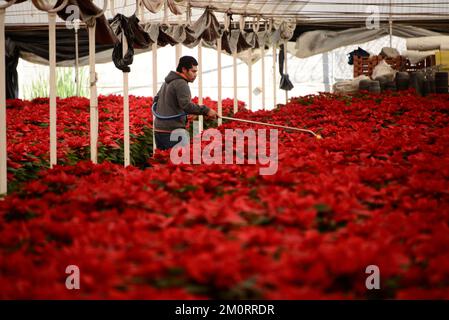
(301, 11)
(316, 25)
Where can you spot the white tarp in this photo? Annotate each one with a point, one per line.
(428, 43)
(319, 41)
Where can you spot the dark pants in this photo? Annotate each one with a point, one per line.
(163, 140)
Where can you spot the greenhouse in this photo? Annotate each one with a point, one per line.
(224, 150)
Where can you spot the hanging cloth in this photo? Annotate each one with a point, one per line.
(285, 83)
(135, 37)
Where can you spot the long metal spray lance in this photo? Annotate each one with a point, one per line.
(318, 136)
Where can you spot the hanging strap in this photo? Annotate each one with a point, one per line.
(281, 59)
(160, 117)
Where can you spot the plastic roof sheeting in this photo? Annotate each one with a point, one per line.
(302, 11)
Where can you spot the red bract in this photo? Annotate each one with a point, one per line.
(372, 192)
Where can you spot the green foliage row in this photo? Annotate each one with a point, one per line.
(66, 85)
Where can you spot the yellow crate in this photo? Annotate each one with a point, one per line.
(442, 59)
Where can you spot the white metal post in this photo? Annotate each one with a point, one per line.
(52, 60)
(200, 84)
(285, 67)
(250, 80)
(219, 102)
(274, 75)
(139, 10)
(178, 53)
(125, 106)
(263, 77)
(77, 80)
(45, 6)
(93, 97)
(390, 22)
(154, 51)
(3, 148)
(3, 123)
(234, 67)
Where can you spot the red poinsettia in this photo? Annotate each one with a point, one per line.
(372, 192)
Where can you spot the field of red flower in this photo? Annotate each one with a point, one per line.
(373, 191)
(29, 142)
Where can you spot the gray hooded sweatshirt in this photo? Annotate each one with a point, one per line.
(174, 98)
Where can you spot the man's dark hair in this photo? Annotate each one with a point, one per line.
(186, 62)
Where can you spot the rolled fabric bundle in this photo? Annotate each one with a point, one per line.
(416, 56)
(441, 82)
(402, 81)
(391, 86)
(364, 85)
(383, 80)
(427, 43)
(433, 87)
(374, 87)
(417, 81)
(426, 87)
(444, 46)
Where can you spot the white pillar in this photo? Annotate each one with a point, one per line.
(234, 66)
(139, 10)
(154, 51)
(3, 148)
(52, 60)
(250, 80)
(125, 107)
(263, 77)
(200, 84)
(285, 67)
(77, 79)
(93, 97)
(274, 75)
(390, 23)
(178, 53)
(219, 102)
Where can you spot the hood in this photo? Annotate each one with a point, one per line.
(172, 76)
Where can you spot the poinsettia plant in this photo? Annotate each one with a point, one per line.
(373, 191)
(29, 142)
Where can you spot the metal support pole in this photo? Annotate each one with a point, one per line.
(219, 102)
(3, 148)
(263, 78)
(234, 66)
(52, 60)
(200, 85)
(93, 97)
(178, 53)
(285, 67)
(125, 107)
(250, 80)
(390, 22)
(274, 75)
(154, 51)
(77, 80)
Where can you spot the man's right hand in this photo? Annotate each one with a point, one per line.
(212, 114)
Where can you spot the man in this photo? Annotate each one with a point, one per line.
(174, 102)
